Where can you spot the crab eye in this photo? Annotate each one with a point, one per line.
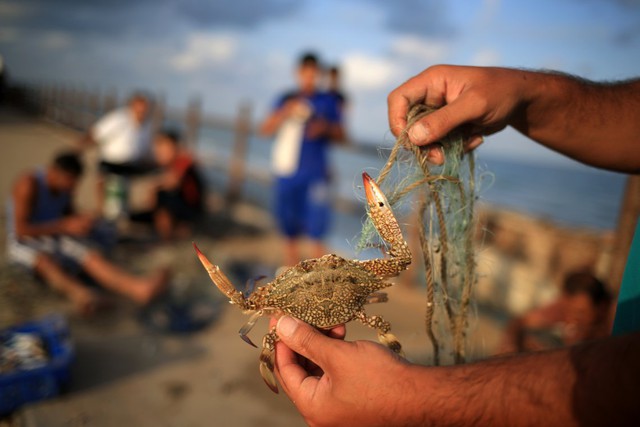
(381, 204)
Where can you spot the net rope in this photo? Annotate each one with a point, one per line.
(443, 198)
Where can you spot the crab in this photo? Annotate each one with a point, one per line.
(326, 291)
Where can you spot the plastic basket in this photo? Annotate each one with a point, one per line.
(23, 386)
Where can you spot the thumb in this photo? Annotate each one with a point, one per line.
(305, 340)
(438, 124)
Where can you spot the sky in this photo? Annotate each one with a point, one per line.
(228, 52)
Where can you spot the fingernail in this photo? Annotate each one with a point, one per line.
(435, 154)
(287, 326)
(418, 133)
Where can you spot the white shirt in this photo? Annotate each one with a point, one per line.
(121, 138)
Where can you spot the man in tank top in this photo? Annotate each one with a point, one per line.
(47, 236)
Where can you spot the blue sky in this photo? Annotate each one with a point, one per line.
(230, 51)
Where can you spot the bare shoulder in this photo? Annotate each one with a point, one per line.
(24, 186)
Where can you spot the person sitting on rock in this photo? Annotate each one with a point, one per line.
(46, 235)
(580, 313)
(178, 199)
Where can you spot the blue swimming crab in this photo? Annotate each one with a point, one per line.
(326, 291)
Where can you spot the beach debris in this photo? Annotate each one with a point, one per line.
(326, 291)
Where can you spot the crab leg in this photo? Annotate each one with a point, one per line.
(222, 281)
(247, 327)
(267, 359)
(383, 327)
(389, 229)
(377, 297)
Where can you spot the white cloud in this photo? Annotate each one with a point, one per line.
(416, 48)
(205, 49)
(486, 57)
(368, 72)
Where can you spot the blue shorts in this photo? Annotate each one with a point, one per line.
(302, 206)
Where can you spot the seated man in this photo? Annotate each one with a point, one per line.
(46, 235)
(178, 199)
(581, 313)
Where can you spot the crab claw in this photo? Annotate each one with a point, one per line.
(248, 326)
(246, 339)
(374, 195)
(387, 226)
(221, 280)
(267, 360)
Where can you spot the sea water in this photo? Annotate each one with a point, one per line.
(572, 195)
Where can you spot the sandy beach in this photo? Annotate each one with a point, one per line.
(128, 374)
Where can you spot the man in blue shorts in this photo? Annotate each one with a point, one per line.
(305, 122)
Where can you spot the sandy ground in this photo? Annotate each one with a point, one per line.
(127, 374)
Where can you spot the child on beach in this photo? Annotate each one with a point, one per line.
(178, 198)
(306, 121)
(48, 237)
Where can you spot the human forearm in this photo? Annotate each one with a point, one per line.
(337, 133)
(77, 225)
(43, 229)
(595, 123)
(86, 141)
(273, 122)
(509, 391)
(590, 384)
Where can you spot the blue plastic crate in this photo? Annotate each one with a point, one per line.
(20, 387)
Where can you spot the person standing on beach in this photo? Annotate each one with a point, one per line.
(595, 383)
(334, 87)
(48, 237)
(123, 137)
(305, 122)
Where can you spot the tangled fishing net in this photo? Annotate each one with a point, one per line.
(444, 196)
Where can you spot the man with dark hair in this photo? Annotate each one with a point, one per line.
(46, 235)
(70, 163)
(580, 313)
(123, 137)
(306, 121)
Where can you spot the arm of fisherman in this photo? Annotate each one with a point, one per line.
(23, 195)
(362, 383)
(277, 117)
(595, 123)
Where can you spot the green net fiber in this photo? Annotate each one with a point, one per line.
(442, 199)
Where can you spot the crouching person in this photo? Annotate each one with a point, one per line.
(179, 195)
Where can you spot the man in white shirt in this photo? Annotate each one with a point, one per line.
(123, 137)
